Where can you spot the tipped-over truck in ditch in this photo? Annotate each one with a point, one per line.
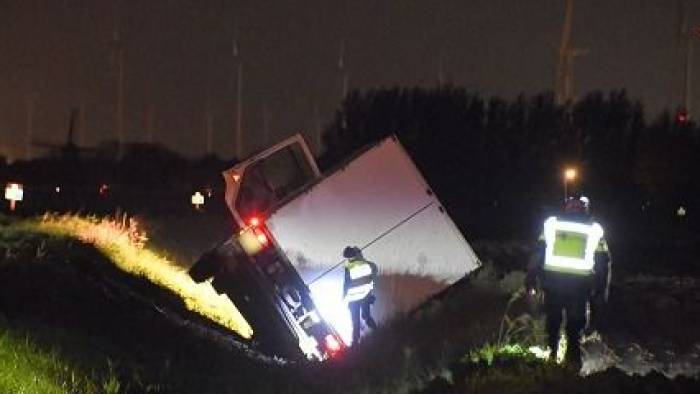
(282, 266)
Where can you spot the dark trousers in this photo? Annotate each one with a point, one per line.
(361, 307)
(575, 307)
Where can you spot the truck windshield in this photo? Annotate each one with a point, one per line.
(271, 179)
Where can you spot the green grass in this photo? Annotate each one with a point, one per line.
(26, 368)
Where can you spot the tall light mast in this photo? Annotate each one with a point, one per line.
(266, 122)
(149, 120)
(564, 85)
(30, 101)
(318, 127)
(118, 58)
(441, 66)
(82, 125)
(342, 71)
(571, 55)
(148, 110)
(238, 128)
(564, 43)
(685, 37)
(209, 127)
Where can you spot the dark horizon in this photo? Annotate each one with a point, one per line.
(179, 53)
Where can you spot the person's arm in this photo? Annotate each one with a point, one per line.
(603, 263)
(346, 282)
(375, 270)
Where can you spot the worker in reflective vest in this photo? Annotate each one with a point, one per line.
(358, 289)
(572, 266)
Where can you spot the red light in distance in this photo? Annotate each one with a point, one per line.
(254, 221)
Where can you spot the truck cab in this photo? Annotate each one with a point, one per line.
(250, 267)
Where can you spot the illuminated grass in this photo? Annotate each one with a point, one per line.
(24, 368)
(124, 244)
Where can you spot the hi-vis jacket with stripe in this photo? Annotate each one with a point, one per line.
(359, 279)
(571, 247)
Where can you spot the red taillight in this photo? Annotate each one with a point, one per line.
(254, 221)
(332, 345)
(254, 239)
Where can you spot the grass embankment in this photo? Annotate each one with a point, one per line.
(26, 368)
(70, 321)
(123, 243)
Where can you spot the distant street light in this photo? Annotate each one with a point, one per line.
(14, 192)
(569, 175)
(197, 200)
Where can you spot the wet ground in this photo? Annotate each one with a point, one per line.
(653, 323)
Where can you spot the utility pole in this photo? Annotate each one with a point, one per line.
(148, 111)
(687, 95)
(209, 127)
(149, 118)
(343, 82)
(266, 122)
(342, 71)
(440, 70)
(564, 85)
(318, 128)
(30, 101)
(685, 38)
(564, 43)
(118, 58)
(238, 131)
(571, 55)
(82, 129)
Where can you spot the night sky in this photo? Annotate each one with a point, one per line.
(178, 55)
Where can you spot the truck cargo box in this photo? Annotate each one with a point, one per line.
(380, 202)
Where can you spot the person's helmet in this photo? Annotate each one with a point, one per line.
(351, 251)
(586, 202)
(577, 205)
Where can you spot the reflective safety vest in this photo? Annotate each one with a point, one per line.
(361, 279)
(571, 246)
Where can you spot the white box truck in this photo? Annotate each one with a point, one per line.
(294, 224)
